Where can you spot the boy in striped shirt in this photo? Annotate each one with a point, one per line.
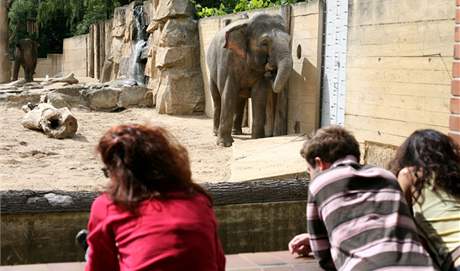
(357, 217)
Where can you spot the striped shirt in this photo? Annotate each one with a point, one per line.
(358, 219)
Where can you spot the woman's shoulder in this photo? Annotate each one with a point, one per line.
(202, 198)
(101, 204)
(102, 200)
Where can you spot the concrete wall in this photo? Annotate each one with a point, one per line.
(305, 80)
(398, 67)
(49, 237)
(75, 58)
(51, 66)
(304, 83)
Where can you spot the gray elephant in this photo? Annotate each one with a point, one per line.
(25, 55)
(247, 58)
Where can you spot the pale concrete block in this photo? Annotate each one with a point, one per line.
(302, 9)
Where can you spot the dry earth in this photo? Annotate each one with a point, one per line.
(30, 160)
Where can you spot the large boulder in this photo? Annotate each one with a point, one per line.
(180, 93)
(150, 69)
(117, 45)
(135, 96)
(178, 32)
(65, 97)
(184, 57)
(172, 9)
(102, 99)
(118, 23)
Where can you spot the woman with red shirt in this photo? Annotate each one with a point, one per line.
(152, 216)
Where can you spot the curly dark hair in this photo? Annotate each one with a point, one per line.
(144, 162)
(436, 156)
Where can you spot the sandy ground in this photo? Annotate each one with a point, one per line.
(30, 160)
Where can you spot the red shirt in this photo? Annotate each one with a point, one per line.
(172, 234)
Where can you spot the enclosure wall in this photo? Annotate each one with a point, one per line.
(398, 67)
(75, 57)
(51, 66)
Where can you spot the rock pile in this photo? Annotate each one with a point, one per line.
(112, 96)
(171, 55)
(173, 62)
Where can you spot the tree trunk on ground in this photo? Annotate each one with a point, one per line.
(55, 123)
(5, 68)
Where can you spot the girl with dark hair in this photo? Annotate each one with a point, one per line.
(152, 216)
(428, 168)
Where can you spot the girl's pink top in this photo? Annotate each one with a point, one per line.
(169, 234)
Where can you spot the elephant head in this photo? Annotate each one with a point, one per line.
(264, 44)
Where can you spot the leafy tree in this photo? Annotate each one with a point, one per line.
(206, 8)
(20, 12)
(56, 20)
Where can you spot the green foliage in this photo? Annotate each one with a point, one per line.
(245, 5)
(19, 13)
(94, 11)
(207, 12)
(206, 8)
(56, 20)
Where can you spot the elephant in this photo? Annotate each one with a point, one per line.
(248, 57)
(25, 55)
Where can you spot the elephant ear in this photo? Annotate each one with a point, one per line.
(235, 38)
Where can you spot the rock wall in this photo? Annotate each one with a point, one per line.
(172, 54)
(174, 58)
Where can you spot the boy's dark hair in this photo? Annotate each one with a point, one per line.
(330, 144)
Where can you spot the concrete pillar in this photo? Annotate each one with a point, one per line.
(5, 68)
(454, 118)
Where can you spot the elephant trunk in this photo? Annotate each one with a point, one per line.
(281, 54)
(282, 76)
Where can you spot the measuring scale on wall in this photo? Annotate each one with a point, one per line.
(334, 59)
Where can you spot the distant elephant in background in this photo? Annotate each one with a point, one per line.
(247, 58)
(25, 55)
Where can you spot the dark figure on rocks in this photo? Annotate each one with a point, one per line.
(25, 55)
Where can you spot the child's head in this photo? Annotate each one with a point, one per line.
(327, 146)
(435, 156)
(143, 162)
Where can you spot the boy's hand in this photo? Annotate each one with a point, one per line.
(300, 244)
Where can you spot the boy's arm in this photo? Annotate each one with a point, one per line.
(319, 241)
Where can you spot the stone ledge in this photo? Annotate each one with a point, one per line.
(274, 261)
(223, 193)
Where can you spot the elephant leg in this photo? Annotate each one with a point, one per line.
(239, 113)
(229, 100)
(217, 105)
(28, 74)
(259, 102)
(16, 67)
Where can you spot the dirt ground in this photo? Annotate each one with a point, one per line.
(30, 160)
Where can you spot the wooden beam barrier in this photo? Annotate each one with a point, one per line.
(223, 193)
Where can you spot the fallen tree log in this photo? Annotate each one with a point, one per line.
(55, 123)
(69, 79)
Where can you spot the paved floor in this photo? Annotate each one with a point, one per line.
(267, 158)
(266, 261)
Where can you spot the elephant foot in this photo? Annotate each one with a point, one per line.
(214, 132)
(258, 135)
(236, 131)
(224, 142)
